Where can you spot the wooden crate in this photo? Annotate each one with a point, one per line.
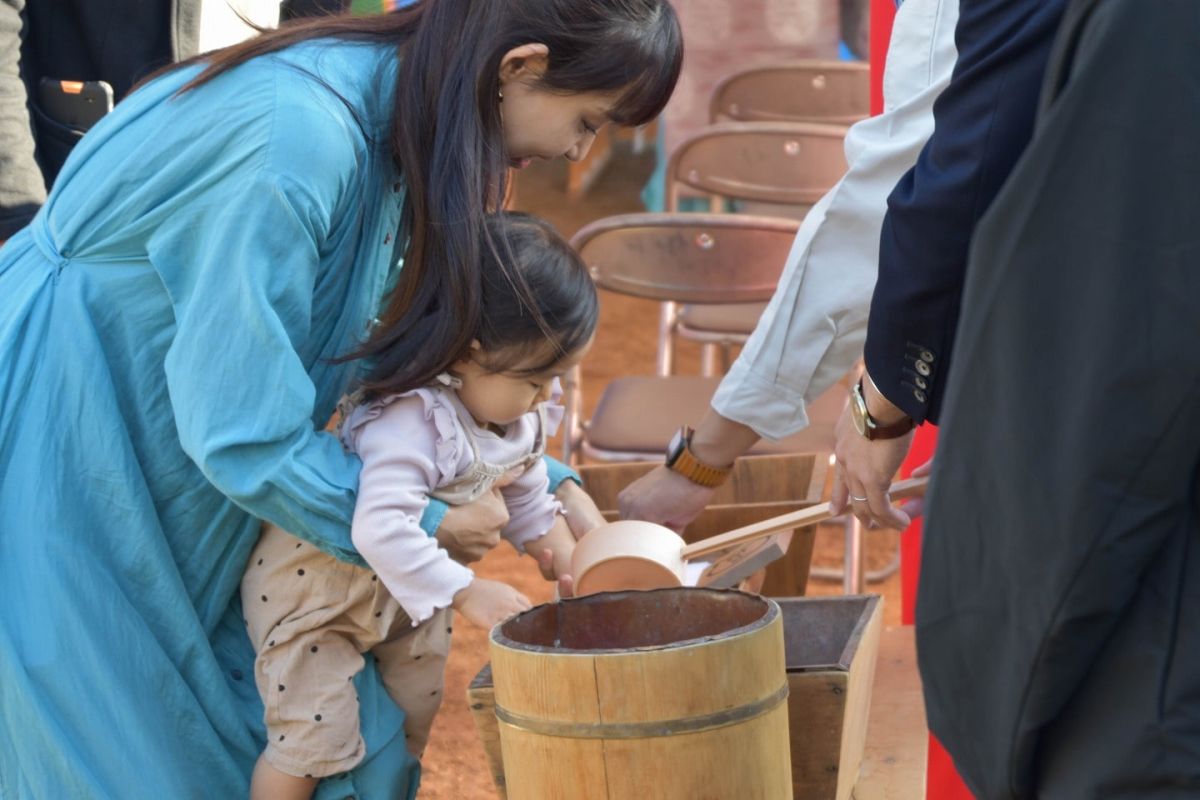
(831, 645)
(759, 488)
(481, 699)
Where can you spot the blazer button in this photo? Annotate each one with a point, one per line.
(923, 368)
(920, 382)
(917, 393)
(927, 355)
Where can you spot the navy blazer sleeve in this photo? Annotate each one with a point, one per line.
(982, 122)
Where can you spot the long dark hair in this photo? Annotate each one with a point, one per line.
(515, 337)
(447, 138)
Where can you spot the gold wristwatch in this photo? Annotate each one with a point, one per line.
(866, 425)
(681, 459)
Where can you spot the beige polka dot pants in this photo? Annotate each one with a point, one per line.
(311, 618)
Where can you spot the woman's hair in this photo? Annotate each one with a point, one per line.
(448, 143)
(513, 336)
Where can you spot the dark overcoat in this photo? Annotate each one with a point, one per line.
(1058, 615)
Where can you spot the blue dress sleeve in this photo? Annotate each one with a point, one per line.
(559, 472)
(241, 263)
(435, 512)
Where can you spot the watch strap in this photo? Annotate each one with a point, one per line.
(695, 470)
(876, 431)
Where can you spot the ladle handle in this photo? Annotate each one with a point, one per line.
(913, 487)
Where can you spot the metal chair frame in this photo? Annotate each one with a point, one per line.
(794, 91)
(681, 257)
(782, 163)
(798, 91)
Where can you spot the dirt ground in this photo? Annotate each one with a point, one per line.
(454, 764)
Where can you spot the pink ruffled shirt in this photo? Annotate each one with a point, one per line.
(411, 445)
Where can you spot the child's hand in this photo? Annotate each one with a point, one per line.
(485, 602)
(553, 553)
(566, 583)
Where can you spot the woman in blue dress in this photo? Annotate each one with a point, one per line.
(172, 331)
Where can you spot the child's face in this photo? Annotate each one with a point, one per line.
(501, 398)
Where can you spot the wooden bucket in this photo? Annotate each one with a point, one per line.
(672, 693)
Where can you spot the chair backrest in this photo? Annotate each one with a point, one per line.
(768, 162)
(794, 91)
(687, 258)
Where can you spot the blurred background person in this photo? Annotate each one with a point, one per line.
(116, 42)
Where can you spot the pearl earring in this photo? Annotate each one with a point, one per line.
(501, 94)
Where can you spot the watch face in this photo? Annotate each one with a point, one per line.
(858, 412)
(675, 447)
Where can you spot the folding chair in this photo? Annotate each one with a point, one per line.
(693, 258)
(786, 165)
(794, 91)
(687, 258)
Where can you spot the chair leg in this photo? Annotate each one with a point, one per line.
(726, 357)
(852, 577)
(709, 361)
(666, 339)
(886, 571)
(639, 139)
(869, 576)
(572, 424)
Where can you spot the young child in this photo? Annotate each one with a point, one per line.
(480, 424)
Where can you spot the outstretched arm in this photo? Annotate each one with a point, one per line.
(812, 332)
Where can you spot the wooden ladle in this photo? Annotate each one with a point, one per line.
(633, 554)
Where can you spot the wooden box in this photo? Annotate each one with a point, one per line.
(830, 648)
(759, 488)
(481, 699)
(831, 645)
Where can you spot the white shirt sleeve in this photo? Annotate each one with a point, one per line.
(225, 22)
(531, 507)
(814, 328)
(398, 449)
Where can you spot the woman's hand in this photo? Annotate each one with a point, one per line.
(664, 497)
(582, 513)
(468, 532)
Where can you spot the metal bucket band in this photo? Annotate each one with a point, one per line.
(643, 730)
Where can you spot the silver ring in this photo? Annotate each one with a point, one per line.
(858, 499)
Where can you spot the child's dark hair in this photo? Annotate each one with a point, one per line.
(447, 138)
(513, 337)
